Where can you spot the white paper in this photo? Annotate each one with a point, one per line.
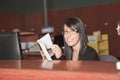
(47, 64)
(46, 43)
(92, 39)
(118, 65)
(46, 39)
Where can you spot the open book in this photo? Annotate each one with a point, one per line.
(45, 44)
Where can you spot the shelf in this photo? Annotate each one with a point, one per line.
(102, 46)
(26, 33)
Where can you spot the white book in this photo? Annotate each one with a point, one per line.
(46, 43)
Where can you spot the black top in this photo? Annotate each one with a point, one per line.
(89, 54)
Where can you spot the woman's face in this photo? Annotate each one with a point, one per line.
(71, 36)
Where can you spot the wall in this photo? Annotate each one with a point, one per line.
(25, 22)
(94, 17)
(103, 18)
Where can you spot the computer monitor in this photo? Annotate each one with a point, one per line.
(10, 47)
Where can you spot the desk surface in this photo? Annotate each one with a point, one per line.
(58, 70)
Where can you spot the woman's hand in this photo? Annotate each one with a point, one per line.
(56, 50)
(42, 55)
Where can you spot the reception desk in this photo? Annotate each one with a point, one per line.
(58, 70)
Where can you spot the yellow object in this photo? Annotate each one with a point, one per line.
(104, 45)
(16, 30)
(101, 46)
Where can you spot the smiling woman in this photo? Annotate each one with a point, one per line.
(75, 36)
(75, 42)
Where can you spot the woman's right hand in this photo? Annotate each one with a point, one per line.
(42, 55)
(57, 51)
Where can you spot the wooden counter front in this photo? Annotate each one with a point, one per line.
(58, 70)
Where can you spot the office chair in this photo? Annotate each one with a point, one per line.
(108, 58)
(10, 47)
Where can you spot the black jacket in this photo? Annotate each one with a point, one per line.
(89, 55)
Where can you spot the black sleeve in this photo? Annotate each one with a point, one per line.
(60, 58)
(90, 54)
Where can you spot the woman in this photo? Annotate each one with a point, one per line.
(75, 42)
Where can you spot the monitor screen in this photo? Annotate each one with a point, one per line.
(10, 47)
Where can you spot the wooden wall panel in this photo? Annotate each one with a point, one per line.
(103, 18)
(56, 19)
(34, 22)
(25, 22)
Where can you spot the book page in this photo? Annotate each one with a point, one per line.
(46, 43)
